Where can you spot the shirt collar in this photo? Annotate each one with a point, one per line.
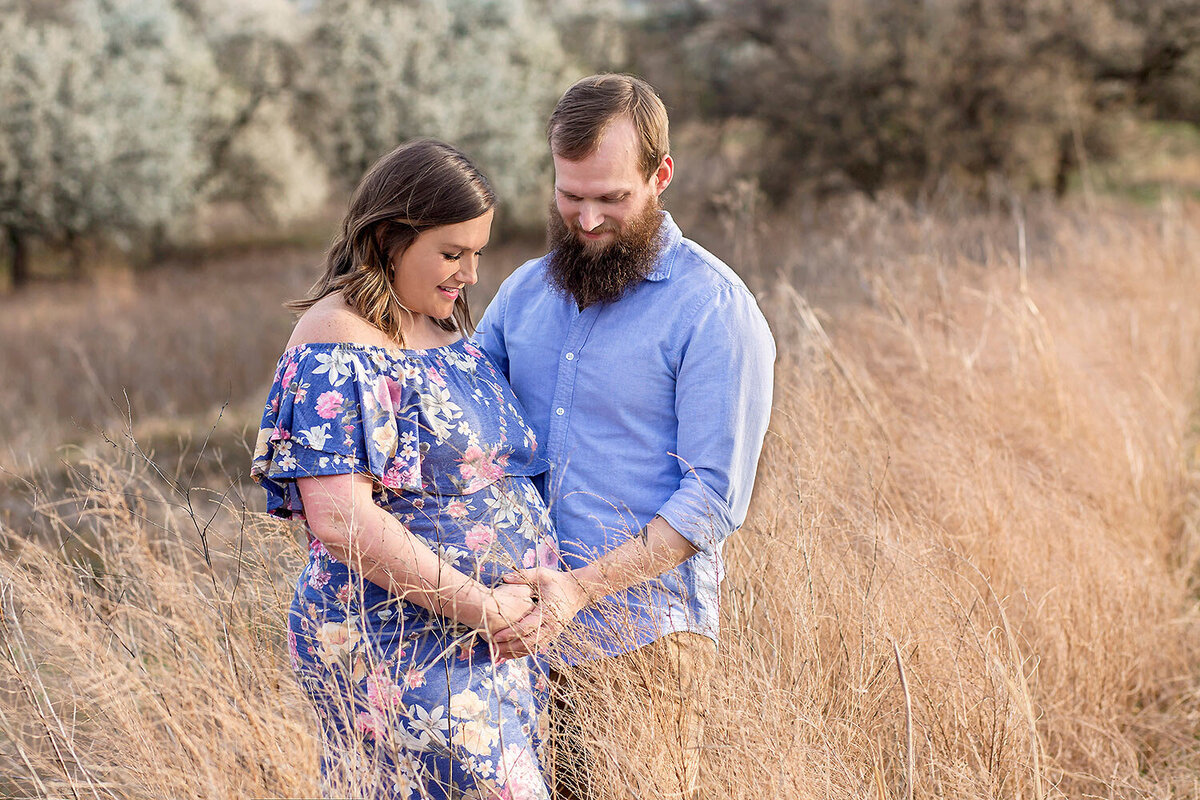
(669, 236)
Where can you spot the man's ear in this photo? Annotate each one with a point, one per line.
(663, 175)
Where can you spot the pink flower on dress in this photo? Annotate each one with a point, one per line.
(381, 692)
(396, 478)
(388, 392)
(473, 350)
(480, 536)
(371, 724)
(547, 553)
(480, 468)
(414, 678)
(289, 373)
(391, 478)
(317, 579)
(518, 773)
(544, 555)
(456, 509)
(343, 594)
(435, 376)
(328, 404)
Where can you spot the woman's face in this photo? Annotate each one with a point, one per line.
(432, 272)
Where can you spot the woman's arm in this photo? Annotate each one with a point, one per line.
(343, 515)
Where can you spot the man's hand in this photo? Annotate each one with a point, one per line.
(506, 604)
(559, 598)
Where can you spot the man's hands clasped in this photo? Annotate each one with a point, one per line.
(505, 605)
(557, 597)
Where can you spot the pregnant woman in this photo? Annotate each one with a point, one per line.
(403, 448)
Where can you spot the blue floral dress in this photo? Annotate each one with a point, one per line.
(407, 698)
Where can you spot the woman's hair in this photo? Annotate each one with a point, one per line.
(420, 185)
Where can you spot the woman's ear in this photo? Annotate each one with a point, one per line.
(380, 248)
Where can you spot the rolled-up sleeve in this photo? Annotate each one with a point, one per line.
(723, 405)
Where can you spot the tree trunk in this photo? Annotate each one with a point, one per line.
(155, 251)
(1066, 162)
(18, 253)
(75, 256)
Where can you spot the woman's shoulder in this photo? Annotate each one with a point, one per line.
(331, 320)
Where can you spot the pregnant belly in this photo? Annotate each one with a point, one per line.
(495, 530)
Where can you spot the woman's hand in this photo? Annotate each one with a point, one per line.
(505, 605)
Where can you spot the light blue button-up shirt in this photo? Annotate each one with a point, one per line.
(655, 404)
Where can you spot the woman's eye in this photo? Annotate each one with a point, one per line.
(452, 256)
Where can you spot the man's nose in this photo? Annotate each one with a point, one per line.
(590, 217)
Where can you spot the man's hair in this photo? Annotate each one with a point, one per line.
(585, 111)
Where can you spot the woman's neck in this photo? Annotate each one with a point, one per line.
(423, 333)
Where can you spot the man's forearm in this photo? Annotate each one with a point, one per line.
(657, 548)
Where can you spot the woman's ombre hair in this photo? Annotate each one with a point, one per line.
(420, 185)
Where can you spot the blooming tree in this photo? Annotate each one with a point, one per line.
(102, 106)
(482, 74)
(119, 119)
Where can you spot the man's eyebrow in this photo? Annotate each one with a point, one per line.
(616, 194)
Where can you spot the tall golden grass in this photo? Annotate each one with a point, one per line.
(970, 569)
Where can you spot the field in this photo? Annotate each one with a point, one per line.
(971, 567)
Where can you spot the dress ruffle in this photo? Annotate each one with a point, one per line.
(338, 408)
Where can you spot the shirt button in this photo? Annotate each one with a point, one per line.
(570, 356)
(560, 411)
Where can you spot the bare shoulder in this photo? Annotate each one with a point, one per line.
(330, 319)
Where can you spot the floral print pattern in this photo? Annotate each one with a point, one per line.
(442, 437)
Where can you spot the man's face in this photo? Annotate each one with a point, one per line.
(597, 196)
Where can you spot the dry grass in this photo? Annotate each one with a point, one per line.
(970, 569)
(986, 472)
(145, 663)
(165, 349)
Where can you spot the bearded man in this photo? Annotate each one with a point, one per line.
(644, 365)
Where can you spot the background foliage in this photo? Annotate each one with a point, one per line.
(137, 123)
(868, 95)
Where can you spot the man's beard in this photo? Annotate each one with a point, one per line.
(593, 275)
